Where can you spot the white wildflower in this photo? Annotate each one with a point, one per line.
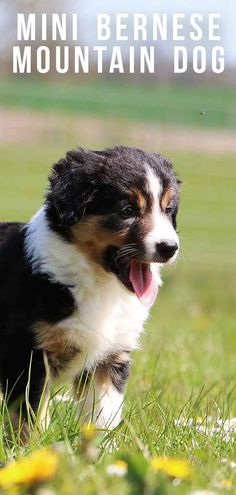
(119, 468)
(224, 428)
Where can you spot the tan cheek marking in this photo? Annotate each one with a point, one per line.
(92, 239)
(114, 372)
(80, 384)
(105, 375)
(102, 377)
(54, 341)
(166, 198)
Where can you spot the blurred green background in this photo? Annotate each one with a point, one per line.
(187, 366)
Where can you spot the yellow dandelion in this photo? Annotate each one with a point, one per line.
(40, 466)
(89, 431)
(176, 468)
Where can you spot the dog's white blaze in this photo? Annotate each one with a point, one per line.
(162, 228)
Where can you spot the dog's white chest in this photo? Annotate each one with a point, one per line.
(109, 319)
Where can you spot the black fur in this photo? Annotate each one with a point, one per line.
(8, 228)
(25, 298)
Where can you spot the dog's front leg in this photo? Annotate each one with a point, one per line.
(101, 398)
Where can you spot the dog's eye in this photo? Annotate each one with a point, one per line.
(127, 211)
(168, 210)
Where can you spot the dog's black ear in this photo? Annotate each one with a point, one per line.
(72, 186)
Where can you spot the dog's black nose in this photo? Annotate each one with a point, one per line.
(166, 249)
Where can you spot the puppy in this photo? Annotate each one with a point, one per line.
(78, 280)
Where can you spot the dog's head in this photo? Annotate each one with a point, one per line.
(119, 207)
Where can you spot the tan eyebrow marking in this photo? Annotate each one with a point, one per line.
(166, 197)
(139, 198)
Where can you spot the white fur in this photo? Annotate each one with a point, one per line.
(109, 318)
(104, 402)
(162, 228)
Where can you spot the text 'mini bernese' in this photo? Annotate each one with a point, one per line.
(77, 281)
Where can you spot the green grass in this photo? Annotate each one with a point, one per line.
(186, 369)
(179, 104)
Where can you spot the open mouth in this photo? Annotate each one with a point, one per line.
(136, 275)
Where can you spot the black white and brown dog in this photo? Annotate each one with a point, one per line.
(77, 281)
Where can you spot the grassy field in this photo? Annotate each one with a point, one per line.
(181, 394)
(185, 105)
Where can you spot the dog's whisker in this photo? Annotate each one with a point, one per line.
(124, 253)
(127, 248)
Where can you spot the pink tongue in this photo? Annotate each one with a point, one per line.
(143, 282)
